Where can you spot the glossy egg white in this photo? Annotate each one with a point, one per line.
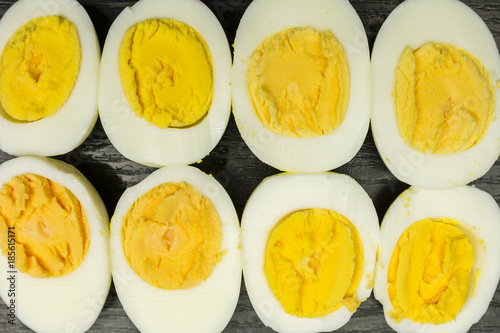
(69, 303)
(276, 197)
(208, 306)
(69, 126)
(266, 17)
(414, 23)
(135, 137)
(479, 217)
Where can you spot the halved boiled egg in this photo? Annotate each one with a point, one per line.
(55, 269)
(49, 66)
(437, 267)
(164, 93)
(435, 73)
(301, 83)
(175, 252)
(309, 245)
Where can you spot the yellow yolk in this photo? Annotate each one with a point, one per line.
(39, 67)
(314, 262)
(51, 228)
(172, 236)
(444, 98)
(298, 81)
(430, 272)
(166, 72)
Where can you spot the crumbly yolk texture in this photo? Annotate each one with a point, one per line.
(166, 72)
(51, 229)
(444, 98)
(430, 272)
(39, 67)
(314, 263)
(172, 236)
(298, 80)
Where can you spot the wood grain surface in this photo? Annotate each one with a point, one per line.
(239, 171)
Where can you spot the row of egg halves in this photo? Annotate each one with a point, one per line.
(352, 252)
(100, 85)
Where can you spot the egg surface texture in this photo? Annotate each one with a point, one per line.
(437, 267)
(48, 77)
(301, 83)
(55, 264)
(434, 78)
(164, 94)
(175, 252)
(309, 246)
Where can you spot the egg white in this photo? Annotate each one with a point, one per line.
(135, 137)
(69, 303)
(69, 126)
(414, 23)
(207, 307)
(479, 216)
(280, 195)
(266, 17)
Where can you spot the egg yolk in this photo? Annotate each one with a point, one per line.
(38, 68)
(443, 97)
(298, 81)
(172, 236)
(314, 262)
(430, 272)
(166, 72)
(48, 223)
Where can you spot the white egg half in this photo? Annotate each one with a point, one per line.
(69, 303)
(414, 23)
(69, 126)
(264, 18)
(280, 195)
(206, 307)
(135, 137)
(479, 216)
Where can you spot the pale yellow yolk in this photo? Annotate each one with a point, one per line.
(298, 81)
(444, 98)
(314, 262)
(172, 236)
(39, 67)
(48, 223)
(430, 272)
(166, 72)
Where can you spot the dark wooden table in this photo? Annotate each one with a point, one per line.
(239, 171)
